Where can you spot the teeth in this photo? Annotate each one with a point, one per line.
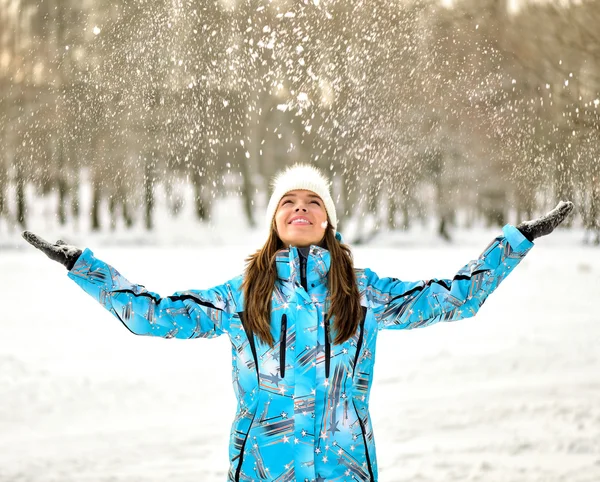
(300, 221)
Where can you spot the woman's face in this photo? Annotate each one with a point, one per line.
(301, 218)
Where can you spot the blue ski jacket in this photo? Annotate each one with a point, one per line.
(303, 405)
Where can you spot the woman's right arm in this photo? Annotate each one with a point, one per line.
(185, 314)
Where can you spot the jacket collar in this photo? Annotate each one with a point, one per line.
(317, 265)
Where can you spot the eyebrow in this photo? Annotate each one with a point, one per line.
(295, 195)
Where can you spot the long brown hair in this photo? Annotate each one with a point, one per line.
(343, 296)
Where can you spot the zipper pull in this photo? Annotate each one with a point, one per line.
(327, 349)
(282, 345)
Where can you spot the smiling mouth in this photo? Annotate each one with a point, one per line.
(300, 222)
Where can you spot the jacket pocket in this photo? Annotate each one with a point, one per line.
(282, 346)
(364, 437)
(327, 349)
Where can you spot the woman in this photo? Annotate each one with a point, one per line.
(303, 325)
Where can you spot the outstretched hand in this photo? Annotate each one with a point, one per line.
(546, 224)
(60, 251)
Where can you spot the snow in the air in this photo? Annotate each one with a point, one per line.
(420, 109)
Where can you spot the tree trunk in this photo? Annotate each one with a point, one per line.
(594, 213)
(443, 230)
(373, 200)
(149, 169)
(62, 201)
(21, 202)
(75, 198)
(392, 210)
(200, 205)
(3, 183)
(96, 199)
(441, 201)
(563, 181)
(126, 213)
(249, 155)
(347, 197)
(247, 191)
(61, 183)
(405, 216)
(112, 208)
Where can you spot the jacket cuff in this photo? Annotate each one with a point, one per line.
(85, 259)
(516, 239)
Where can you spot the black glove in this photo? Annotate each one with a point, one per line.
(61, 251)
(546, 224)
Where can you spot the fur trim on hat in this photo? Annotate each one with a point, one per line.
(301, 176)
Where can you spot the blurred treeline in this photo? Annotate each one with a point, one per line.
(415, 109)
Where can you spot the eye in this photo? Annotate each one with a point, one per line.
(317, 203)
(286, 201)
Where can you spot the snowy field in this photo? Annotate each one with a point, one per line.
(510, 395)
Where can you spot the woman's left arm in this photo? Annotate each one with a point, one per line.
(404, 305)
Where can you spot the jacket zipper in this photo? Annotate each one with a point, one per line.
(239, 467)
(303, 273)
(364, 437)
(282, 345)
(360, 339)
(327, 349)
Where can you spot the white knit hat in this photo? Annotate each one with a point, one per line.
(301, 176)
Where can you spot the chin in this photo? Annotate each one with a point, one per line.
(301, 242)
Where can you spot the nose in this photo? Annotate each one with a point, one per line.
(301, 208)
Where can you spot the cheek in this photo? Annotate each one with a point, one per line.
(279, 220)
(321, 217)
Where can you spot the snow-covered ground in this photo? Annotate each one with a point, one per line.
(510, 395)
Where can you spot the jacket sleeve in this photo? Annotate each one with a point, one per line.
(185, 314)
(404, 305)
